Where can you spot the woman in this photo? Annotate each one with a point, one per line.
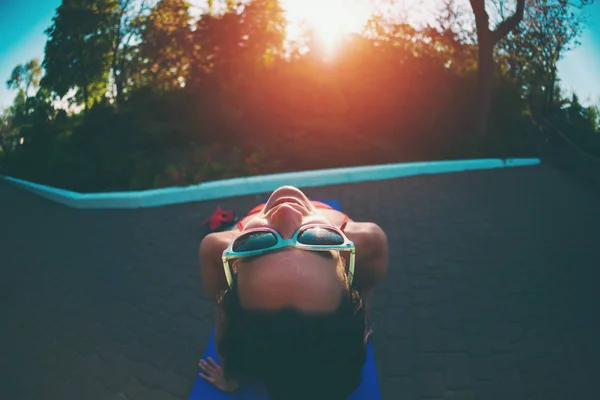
(291, 283)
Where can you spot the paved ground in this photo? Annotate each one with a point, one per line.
(491, 294)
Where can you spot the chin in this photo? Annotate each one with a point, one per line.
(288, 191)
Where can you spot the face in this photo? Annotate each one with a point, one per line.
(309, 281)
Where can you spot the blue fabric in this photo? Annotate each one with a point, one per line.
(368, 389)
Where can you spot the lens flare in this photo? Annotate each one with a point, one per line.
(331, 20)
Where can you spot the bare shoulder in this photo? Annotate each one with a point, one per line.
(215, 242)
(367, 236)
(211, 246)
(372, 254)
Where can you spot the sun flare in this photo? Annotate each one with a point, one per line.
(331, 20)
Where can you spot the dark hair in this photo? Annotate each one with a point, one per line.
(295, 355)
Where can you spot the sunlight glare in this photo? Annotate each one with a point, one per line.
(331, 20)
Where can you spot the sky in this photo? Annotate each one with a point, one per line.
(23, 23)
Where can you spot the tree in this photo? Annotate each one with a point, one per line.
(263, 31)
(240, 39)
(78, 50)
(453, 20)
(25, 77)
(486, 40)
(124, 55)
(592, 115)
(40, 107)
(452, 38)
(549, 29)
(164, 50)
(8, 131)
(121, 34)
(555, 30)
(16, 80)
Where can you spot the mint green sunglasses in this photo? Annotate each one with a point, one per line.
(258, 241)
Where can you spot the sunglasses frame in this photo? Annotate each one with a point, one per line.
(229, 253)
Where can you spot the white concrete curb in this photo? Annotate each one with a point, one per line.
(261, 184)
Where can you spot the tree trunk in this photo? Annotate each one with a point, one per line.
(485, 76)
(83, 81)
(85, 98)
(552, 85)
(485, 73)
(85, 87)
(115, 65)
(117, 76)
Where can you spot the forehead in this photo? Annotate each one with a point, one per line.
(292, 277)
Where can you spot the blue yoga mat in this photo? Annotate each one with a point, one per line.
(368, 389)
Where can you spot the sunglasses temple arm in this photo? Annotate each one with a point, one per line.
(351, 268)
(227, 270)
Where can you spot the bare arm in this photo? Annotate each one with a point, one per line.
(211, 270)
(372, 253)
(211, 266)
(214, 282)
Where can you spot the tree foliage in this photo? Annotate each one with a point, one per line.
(78, 50)
(164, 50)
(25, 77)
(530, 54)
(173, 99)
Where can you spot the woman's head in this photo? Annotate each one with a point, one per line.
(295, 354)
(312, 281)
(291, 319)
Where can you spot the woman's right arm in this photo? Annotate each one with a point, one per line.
(214, 282)
(211, 271)
(211, 265)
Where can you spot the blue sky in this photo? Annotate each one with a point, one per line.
(23, 24)
(22, 38)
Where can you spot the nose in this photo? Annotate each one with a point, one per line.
(286, 220)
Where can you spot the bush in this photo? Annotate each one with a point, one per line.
(214, 162)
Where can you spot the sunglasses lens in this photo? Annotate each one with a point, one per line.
(320, 236)
(254, 241)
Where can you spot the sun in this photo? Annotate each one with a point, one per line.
(331, 20)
